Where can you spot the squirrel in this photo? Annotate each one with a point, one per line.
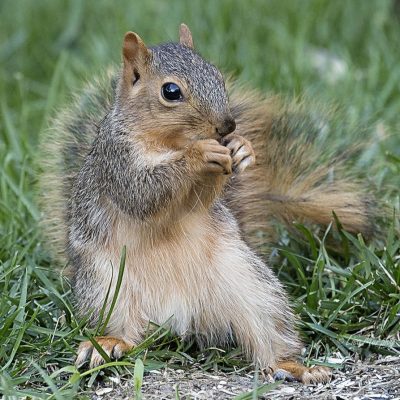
(166, 158)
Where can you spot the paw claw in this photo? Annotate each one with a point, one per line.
(84, 352)
(242, 152)
(215, 158)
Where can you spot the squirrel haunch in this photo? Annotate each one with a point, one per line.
(126, 166)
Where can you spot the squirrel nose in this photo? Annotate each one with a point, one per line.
(228, 126)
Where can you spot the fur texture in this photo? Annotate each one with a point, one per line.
(298, 177)
(126, 167)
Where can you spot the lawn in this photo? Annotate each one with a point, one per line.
(344, 54)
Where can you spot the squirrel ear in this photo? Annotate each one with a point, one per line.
(185, 36)
(134, 51)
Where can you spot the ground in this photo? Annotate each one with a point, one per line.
(373, 380)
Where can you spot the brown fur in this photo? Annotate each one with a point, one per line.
(130, 168)
(295, 371)
(292, 184)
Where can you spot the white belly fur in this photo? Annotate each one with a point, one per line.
(187, 277)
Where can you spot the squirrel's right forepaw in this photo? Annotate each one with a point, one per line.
(113, 347)
(242, 152)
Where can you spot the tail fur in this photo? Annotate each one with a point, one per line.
(63, 148)
(298, 175)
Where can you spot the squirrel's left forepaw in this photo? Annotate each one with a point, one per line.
(242, 152)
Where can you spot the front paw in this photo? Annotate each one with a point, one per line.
(242, 152)
(214, 158)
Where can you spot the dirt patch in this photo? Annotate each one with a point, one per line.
(378, 380)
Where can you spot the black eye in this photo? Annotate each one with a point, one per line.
(171, 91)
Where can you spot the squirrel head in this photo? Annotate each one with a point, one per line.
(171, 92)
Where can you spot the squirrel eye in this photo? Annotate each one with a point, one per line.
(171, 91)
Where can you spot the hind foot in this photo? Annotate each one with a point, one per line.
(292, 371)
(113, 347)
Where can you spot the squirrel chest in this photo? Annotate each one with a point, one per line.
(178, 274)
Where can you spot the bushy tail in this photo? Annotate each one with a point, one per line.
(301, 172)
(62, 151)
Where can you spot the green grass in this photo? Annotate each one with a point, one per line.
(347, 295)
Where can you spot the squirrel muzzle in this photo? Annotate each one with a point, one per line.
(227, 126)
